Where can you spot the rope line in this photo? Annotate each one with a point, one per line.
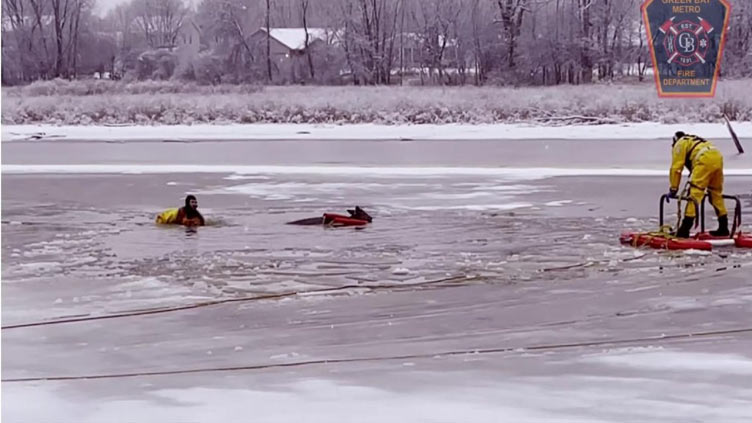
(161, 310)
(497, 350)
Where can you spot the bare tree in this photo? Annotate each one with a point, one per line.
(60, 15)
(738, 61)
(586, 60)
(22, 22)
(642, 60)
(436, 20)
(480, 71)
(31, 23)
(304, 10)
(160, 20)
(512, 12)
(369, 38)
(232, 15)
(402, 41)
(122, 18)
(268, 41)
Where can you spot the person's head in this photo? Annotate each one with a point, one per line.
(191, 202)
(191, 207)
(677, 136)
(361, 214)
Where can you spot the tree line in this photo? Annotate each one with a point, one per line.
(369, 42)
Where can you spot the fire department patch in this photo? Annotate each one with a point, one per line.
(686, 44)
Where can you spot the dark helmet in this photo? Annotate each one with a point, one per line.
(188, 201)
(677, 136)
(361, 214)
(190, 212)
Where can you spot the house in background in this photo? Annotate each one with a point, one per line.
(416, 52)
(288, 49)
(189, 37)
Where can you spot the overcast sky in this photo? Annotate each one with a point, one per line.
(104, 6)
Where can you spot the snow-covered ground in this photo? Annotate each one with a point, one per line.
(631, 131)
(490, 286)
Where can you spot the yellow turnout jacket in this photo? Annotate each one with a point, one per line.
(691, 151)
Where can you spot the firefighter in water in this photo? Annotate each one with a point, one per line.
(187, 215)
(705, 164)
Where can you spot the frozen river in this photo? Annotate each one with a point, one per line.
(490, 286)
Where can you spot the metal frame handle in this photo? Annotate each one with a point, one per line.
(665, 199)
(737, 213)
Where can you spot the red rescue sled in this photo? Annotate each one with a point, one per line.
(703, 241)
(744, 241)
(358, 217)
(718, 241)
(662, 241)
(338, 220)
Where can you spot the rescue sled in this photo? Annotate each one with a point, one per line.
(665, 239)
(338, 220)
(357, 217)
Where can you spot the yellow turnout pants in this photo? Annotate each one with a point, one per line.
(707, 175)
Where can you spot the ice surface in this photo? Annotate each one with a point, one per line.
(479, 293)
(519, 174)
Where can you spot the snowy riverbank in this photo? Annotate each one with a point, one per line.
(239, 132)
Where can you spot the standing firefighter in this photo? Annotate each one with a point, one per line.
(705, 164)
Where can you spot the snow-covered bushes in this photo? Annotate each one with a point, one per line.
(95, 87)
(207, 69)
(155, 65)
(173, 102)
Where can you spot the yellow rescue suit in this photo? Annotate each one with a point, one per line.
(169, 216)
(705, 164)
(177, 217)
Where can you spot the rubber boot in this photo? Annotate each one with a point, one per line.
(685, 227)
(723, 229)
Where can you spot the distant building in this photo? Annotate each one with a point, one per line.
(288, 48)
(288, 42)
(189, 37)
(415, 51)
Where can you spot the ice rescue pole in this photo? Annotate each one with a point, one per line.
(739, 147)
